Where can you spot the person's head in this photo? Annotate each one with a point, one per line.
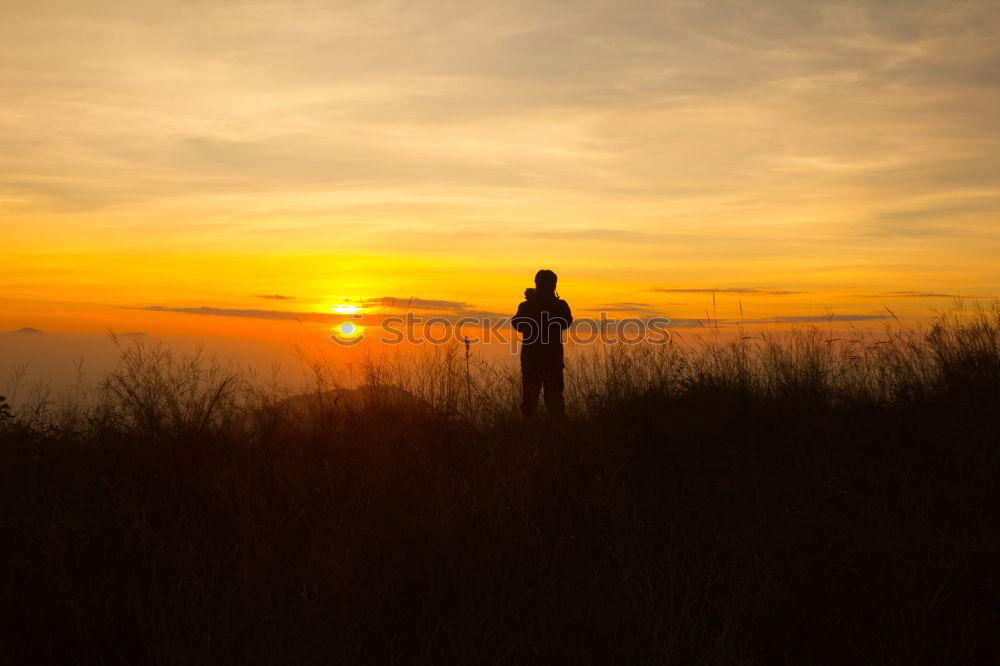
(545, 281)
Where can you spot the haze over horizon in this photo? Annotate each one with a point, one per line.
(230, 168)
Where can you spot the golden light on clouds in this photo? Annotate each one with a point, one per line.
(795, 157)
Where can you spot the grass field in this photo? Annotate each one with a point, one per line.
(791, 499)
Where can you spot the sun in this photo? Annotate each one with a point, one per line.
(347, 333)
(346, 308)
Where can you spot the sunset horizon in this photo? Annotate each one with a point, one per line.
(500, 332)
(794, 160)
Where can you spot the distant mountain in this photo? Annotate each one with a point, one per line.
(28, 331)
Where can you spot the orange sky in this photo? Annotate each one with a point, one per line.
(797, 158)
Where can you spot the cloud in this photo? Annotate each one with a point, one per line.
(447, 310)
(663, 136)
(797, 319)
(275, 297)
(676, 322)
(643, 308)
(784, 319)
(413, 303)
(613, 235)
(726, 290)
(938, 218)
(905, 294)
(919, 294)
(723, 322)
(236, 312)
(500, 321)
(404, 113)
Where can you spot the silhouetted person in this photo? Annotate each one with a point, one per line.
(541, 320)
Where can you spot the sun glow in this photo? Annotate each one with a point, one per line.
(345, 308)
(348, 332)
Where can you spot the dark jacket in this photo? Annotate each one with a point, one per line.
(541, 321)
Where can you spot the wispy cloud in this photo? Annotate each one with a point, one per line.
(814, 319)
(242, 312)
(889, 295)
(905, 294)
(275, 297)
(669, 141)
(612, 235)
(726, 290)
(725, 322)
(447, 310)
(413, 303)
(642, 308)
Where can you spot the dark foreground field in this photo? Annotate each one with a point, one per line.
(791, 501)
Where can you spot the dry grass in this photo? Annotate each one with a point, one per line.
(777, 499)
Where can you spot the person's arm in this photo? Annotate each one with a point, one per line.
(519, 321)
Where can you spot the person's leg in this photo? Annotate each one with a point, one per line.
(555, 403)
(531, 387)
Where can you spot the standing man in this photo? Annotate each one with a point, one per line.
(541, 320)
